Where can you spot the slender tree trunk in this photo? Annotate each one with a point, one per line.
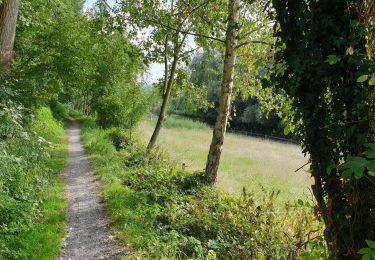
(8, 22)
(166, 95)
(214, 154)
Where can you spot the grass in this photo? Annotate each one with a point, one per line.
(42, 239)
(253, 163)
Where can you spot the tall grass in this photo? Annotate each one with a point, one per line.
(251, 163)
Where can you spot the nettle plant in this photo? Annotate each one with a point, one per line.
(322, 63)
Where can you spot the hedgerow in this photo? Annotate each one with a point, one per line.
(162, 211)
(30, 154)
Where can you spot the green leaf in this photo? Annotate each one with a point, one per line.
(353, 165)
(286, 130)
(364, 251)
(371, 82)
(366, 257)
(369, 154)
(370, 243)
(333, 59)
(362, 78)
(371, 166)
(349, 51)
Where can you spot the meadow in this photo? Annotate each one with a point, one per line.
(254, 163)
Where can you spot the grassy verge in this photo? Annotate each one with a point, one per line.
(163, 212)
(43, 239)
(34, 226)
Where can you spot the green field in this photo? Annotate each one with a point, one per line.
(253, 163)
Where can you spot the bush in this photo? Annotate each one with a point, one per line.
(24, 173)
(166, 212)
(59, 111)
(175, 121)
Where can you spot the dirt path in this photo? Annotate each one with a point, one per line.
(88, 235)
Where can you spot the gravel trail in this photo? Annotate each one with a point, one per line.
(88, 234)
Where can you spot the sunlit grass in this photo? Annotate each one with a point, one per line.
(43, 239)
(253, 163)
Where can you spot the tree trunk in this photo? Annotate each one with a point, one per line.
(216, 147)
(166, 95)
(8, 22)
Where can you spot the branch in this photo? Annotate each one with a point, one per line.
(191, 12)
(249, 42)
(185, 32)
(302, 166)
(189, 51)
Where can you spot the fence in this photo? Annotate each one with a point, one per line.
(263, 136)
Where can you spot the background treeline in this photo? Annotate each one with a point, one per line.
(201, 100)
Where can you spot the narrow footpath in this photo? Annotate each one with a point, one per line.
(88, 234)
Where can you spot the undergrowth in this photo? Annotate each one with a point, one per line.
(32, 198)
(163, 212)
(175, 121)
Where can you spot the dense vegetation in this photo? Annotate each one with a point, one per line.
(302, 68)
(202, 101)
(162, 211)
(32, 199)
(333, 106)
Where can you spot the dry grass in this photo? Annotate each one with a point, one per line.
(253, 163)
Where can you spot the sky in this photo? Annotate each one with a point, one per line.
(155, 71)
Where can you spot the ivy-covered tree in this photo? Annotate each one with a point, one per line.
(323, 66)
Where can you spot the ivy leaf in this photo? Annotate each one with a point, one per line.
(371, 166)
(371, 244)
(366, 257)
(364, 251)
(333, 59)
(354, 165)
(369, 154)
(286, 130)
(371, 82)
(349, 51)
(362, 78)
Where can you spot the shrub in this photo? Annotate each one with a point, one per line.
(24, 172)
(175, 121)
(59, 111)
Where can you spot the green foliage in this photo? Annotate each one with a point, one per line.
(202, 100)
(368, 253)
(60, 111)
(321, 63)
(174, 121)
(31, 153)
(123, 107)
(165, 212)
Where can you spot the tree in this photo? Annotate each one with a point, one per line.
(169, 24)
(8, 22)
(323, 67)
(241, 31)
(214, 153)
